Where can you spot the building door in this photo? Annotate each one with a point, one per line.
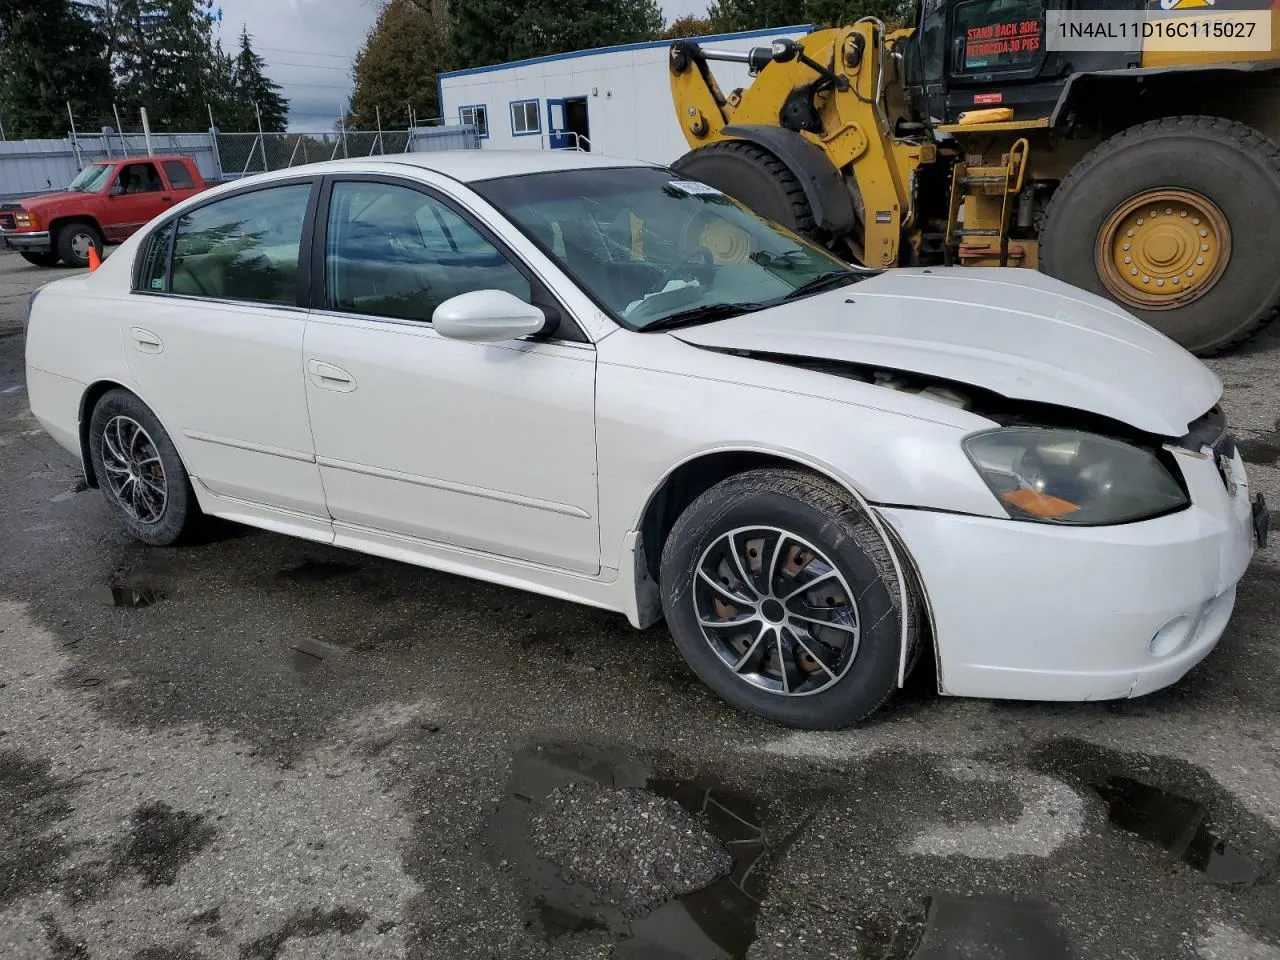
(568, 126)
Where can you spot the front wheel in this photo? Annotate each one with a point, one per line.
(75, 240)
(783, 598)
(139, 470)
(1177, 220)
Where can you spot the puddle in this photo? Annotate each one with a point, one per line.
(1176, 823)
(309, 655)
(993, 928)
(715, 921)
(135, 597)
(317, 571)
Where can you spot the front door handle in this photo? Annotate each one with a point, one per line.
(145, 341)
(329, 377)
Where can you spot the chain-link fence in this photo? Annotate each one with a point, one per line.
(241, 154)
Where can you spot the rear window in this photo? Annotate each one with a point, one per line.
(178, 176)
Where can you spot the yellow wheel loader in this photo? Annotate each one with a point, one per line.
(1150, 177)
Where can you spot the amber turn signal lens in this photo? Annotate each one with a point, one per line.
(1040, 504)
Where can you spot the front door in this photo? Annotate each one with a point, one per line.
(488, 447)
(136, 196)
(214, 344)
(559, 136)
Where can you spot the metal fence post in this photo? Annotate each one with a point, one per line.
(261, 138)
(124, 144)
(146, 132)
(377, 112)
(75, 143)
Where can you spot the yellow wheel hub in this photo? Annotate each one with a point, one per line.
(1163, 249)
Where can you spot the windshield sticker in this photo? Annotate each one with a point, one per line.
(695, 189)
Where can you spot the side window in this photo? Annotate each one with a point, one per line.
(995, 35)
(478, 116)
(155, 262)
(526, 118)
(244, 247)
(177, 173)
(139, 178)
(395, 252)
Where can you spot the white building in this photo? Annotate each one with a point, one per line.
(613, 100)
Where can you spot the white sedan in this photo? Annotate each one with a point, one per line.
(601, 381)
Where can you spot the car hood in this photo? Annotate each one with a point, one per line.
(42, 200)
(1017, 333)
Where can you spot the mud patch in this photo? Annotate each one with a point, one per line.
(133, 596)
(311, 923)
(1263, 450)
(61, 945)
(161, 841)
(33, 802)
(167, 953)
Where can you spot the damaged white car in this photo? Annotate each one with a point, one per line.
(601, 381)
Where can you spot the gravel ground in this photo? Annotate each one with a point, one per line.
(635, 849)
(256, 747)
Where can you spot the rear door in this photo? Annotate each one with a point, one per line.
(214, 344)
(182, 183)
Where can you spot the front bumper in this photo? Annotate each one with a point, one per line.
(1028, 611)
(33, 242)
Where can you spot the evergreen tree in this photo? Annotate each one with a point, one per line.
(168, 62)
(251, 86)
(51, 52)
(496, 31)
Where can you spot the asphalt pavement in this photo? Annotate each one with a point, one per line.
(264, 749)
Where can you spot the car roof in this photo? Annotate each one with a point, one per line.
(471, 166)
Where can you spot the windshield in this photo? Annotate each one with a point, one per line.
(91, 179)
(649, 245)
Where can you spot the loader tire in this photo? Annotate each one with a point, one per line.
(1214, 185)
(755, 177)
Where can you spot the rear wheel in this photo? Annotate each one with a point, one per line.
(74, 242)
(783, 598)
(47, 259)
(139, 470)
(752, 176)
(1177, 220)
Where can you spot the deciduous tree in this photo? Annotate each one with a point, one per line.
(398, 64)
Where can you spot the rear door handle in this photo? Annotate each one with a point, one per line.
(145, 340)
(329, 377)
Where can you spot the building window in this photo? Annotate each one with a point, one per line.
(477, 116)
(526, 118)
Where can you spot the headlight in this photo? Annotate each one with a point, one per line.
(1071, 477)
(25, 220)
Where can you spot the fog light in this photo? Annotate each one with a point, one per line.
(1170, 638)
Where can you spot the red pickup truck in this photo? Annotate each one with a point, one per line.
(104, 204)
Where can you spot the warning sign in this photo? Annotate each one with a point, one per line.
(1002, 44)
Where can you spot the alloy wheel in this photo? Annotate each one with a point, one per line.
(776, 611)
(134, 470)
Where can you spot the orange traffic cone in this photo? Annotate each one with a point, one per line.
(95, 261)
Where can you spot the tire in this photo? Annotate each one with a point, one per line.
(755, 177)
(75, 236)
(1233, 166)
(178, 515)
(823, 524)
(47, 259)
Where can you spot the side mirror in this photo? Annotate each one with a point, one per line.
(487, 316)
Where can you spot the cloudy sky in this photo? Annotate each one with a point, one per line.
(309, 46)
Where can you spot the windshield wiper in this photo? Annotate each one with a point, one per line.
(830, 280)
(703, 314)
